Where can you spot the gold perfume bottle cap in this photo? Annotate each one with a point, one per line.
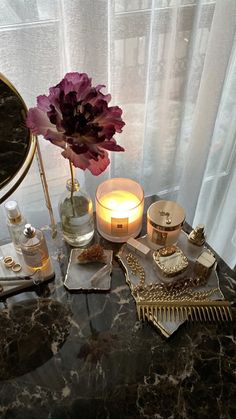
(29, 231)
(197, 235)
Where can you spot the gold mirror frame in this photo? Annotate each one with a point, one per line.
(17, 144)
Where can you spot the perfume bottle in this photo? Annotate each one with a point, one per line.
(15, 223)
(76, 213)
(34, 248)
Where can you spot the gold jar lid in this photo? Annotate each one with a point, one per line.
(166, 215)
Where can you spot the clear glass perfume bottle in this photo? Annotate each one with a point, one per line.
(15, 223)
(76, 213)
(34, 248)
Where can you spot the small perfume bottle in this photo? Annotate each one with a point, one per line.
(15, 222)
(34, 248)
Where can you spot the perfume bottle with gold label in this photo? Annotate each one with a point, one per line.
(34, 248)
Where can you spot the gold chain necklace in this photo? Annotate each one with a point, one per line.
(180, 289)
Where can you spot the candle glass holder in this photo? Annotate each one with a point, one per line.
(119, 209)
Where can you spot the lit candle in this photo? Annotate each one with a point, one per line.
(119, 211)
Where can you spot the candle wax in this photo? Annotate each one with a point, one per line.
(120, 204)
(119, 213)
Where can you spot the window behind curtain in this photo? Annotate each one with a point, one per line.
(151, 54)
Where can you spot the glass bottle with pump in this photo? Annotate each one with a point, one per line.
(34, 248)
(15, 223)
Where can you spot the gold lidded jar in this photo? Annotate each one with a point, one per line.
(164, 223)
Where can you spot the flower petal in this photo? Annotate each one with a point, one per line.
(55, 137)
(111, 115)
(107, 97)
(111, 145)
(97, 167)
(38, 121)
(83, 161)
(43, 103)
(78, 160)
(76, 116)
(76, 82)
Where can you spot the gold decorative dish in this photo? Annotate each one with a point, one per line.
(167, 302)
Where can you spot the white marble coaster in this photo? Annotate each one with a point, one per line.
(93, 276)
(9, 280)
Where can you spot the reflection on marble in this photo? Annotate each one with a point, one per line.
(113, 366)
(31, 332)
(14, 136)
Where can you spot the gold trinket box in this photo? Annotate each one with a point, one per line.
(170, 260)
(204, 264)
(164, 223)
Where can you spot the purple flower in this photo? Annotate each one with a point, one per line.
(76, 117)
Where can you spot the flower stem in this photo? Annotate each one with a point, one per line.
(72, 187)
(72, 181)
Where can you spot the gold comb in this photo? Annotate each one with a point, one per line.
(207, 310)
(178, 301)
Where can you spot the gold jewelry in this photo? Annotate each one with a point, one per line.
(136, 268)
(167, 250)
(16, 267)
(8, 261)
(176, 300)
(181, 288)
(157, 292)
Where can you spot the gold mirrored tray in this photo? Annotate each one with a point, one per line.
(146, 283)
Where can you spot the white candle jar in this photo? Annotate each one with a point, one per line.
(164, 223)
(119, 209)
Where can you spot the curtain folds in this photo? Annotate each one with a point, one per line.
(170, 65)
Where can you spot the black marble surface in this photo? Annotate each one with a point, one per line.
(85, 355)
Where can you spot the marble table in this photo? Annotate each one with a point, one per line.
(85, 355)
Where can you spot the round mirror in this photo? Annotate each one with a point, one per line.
(17, 144)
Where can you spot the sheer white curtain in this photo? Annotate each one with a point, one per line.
(170, 65)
